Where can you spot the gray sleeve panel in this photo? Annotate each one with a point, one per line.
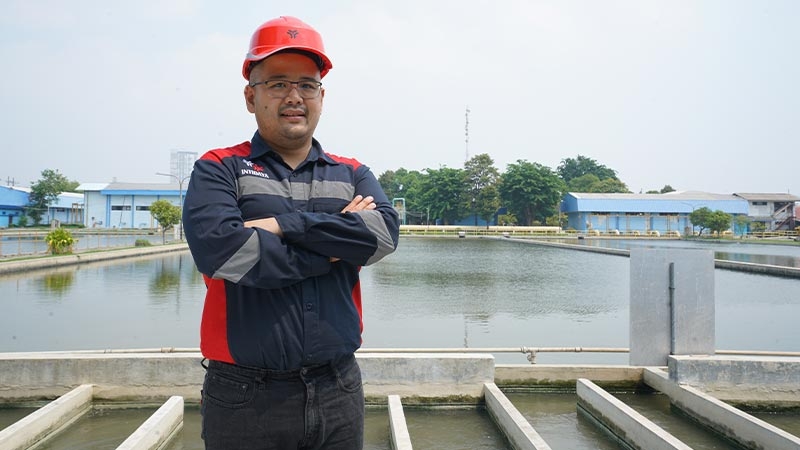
(241, 262)
(375, 223)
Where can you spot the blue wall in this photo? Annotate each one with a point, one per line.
(12, 205)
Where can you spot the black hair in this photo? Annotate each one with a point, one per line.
(314, 57)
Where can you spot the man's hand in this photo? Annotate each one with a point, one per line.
(269, 224)
(360, 203)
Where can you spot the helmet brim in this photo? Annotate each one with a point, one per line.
(324, 63)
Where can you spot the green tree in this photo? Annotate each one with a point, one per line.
(404, 184)
(591, 183)
(166, 214)
(667, 188)
(583, 183)
(443, 191)
(715, 221)
(741, 223)
(719, 221)
(571, 168)
(46, 191)
(700, 218)
(610, 185)
(482, 194)
(531, 191)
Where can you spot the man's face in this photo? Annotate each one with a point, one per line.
(287, 123)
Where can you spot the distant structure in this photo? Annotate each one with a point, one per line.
(776, 212)
(181, 163)
(466, 134)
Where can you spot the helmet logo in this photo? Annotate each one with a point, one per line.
(292, 33)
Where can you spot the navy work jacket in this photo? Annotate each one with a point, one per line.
(280, 303)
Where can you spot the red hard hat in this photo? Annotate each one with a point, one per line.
(281, 34)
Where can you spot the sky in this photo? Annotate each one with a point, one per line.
(700, 95)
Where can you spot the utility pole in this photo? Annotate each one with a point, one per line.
(466, 134)
(180, 197)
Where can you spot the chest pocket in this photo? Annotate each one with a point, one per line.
(263, 197)
(326, 205)
(329, 196)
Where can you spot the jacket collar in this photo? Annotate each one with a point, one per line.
(259, 148)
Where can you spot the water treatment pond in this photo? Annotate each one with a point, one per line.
(656, 407)
(99, 429)
(448, 428)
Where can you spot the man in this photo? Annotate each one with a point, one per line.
(279, 229)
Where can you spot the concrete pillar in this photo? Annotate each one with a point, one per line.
(671, 304)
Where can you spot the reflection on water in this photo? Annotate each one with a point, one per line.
(555, 417)
(788, 421)
(99, 429)
(11, 414)
(377, 435)
(657, 407)
(188, 438)
(443, 428)
(430, 293)
(57, 283)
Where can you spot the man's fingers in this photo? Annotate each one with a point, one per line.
(360, 203)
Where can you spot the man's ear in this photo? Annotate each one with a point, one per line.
(249, 98)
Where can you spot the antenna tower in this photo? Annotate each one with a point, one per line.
(466, 134)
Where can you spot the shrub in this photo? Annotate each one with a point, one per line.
(60, 241)
(142, 243)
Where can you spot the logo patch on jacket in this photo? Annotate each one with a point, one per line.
(254, 169)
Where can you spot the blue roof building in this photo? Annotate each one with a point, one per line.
(126, 205)
(66, 209)
(12, 205)
(644, 213)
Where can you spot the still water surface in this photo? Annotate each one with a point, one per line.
(430, 293)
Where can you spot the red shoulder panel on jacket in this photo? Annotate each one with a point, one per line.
(218, 154)
(341, 159)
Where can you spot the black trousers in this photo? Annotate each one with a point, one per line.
(318, 407)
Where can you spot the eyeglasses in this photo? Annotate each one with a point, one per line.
(282, 88)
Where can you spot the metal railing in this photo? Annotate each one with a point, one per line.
(530, 352)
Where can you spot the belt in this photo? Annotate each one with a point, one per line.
(263, 374)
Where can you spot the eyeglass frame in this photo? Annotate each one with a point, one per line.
(295, 85)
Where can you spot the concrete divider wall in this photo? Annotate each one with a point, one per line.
(157, 376)
(753, 379)
(564, 375)
(143, 377)
(630, 426)
(511, 422)
(52, 417)
(398, 428)
(159, 429)
(737, 425)
(445, 376)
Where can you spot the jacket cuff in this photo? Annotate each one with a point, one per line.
(292, 226)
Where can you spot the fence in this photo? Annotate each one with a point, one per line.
(15, 243)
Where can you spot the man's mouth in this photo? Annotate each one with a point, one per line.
(293, 113)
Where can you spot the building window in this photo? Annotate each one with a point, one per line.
(120, 207)
(143, 208)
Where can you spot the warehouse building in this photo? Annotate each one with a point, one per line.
(126, 205)
(66, 209)
(646, 213)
